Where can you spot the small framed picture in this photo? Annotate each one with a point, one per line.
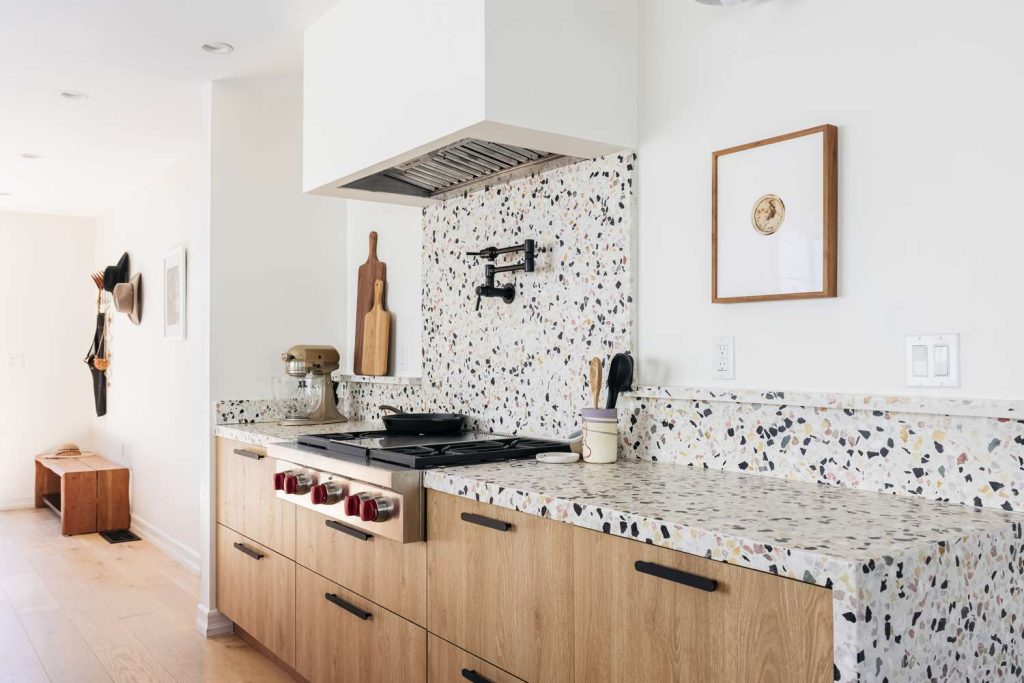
(175, 304)
(774, 218)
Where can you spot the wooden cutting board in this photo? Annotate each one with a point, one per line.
(376, 334)
(369, 273)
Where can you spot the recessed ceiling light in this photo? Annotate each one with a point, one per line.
(28, 155)
(73, 94)
(218, 48)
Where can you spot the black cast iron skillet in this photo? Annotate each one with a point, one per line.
(422, 423)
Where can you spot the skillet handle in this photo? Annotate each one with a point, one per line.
(390, 409)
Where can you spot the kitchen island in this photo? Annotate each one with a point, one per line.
(921, 590)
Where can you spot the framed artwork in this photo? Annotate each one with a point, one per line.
(774, 218)
(175, 304)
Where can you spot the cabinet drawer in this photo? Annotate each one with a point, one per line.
(651, 614)
(256, 590)
(389, 573)
(343, 637)
(499, 584)
(246, 500)
(449, 664)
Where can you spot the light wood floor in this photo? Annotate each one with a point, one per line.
(79, 609)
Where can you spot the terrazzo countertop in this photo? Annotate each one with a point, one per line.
(921, 590)
(264, 433)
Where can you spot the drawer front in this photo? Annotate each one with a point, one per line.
(343, 637)
(499, 584)
(449, 664)
(651, 614)
(256, 590)
(389, 573)
(245, 497)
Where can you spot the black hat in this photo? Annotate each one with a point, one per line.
(115, 275)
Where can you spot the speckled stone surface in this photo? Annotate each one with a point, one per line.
(520, 367)
(921, 590)
(264, 433)
(246, 411)
(929, 405)
(969, 459)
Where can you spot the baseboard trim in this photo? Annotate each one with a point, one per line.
(171, 546)
(211, 622)
(16, 503)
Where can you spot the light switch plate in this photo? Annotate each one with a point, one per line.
(16, 360)
(723, 358)
(933, 360)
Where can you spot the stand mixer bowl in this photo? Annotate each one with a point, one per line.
(297, 397)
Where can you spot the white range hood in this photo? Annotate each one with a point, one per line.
(414, 101)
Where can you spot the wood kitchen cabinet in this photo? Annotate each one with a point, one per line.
(391, 574)
(685, 619)
(342, 637)
(256, 590)
(449, 664)
(246, 501)
(500, 585)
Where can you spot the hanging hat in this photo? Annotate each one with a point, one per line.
(128, 298)
(116, 274)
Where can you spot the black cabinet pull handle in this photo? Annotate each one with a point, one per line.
(691, 580)
(347, 606)
(355, 533)
(473, 676)
(249, 551)
(249, 454)
(496, 524)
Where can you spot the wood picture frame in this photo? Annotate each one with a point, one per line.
(829, 220)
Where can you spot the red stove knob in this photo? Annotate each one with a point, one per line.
(376, 510)
(299, 484)
(353, 503)
(328, 493)
(279, 478)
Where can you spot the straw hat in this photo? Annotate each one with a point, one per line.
(67, 450)
(128, 298)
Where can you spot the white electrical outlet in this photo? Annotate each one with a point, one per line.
(402, 363)
(16, 360)
(723, 358)
(933, 360)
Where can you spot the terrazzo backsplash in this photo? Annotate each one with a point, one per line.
(905, 446)
(520, 367)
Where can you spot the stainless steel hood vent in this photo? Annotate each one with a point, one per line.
(465, 166)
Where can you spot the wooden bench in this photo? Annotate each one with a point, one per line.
(89, 493)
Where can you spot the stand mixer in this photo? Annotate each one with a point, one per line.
(318, 361)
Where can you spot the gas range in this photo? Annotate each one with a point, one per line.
(371, 483)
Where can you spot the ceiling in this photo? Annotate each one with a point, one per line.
(141, 65)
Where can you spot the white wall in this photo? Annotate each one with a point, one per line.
(927, 99)
(399, 243)
(158, 403)
(278, 255)
(47, 316)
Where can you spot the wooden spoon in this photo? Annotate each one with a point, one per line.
(596, 372)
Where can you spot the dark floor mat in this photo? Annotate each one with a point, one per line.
(119, 536)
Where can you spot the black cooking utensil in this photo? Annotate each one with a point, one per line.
(422, 423)
(620, 377)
